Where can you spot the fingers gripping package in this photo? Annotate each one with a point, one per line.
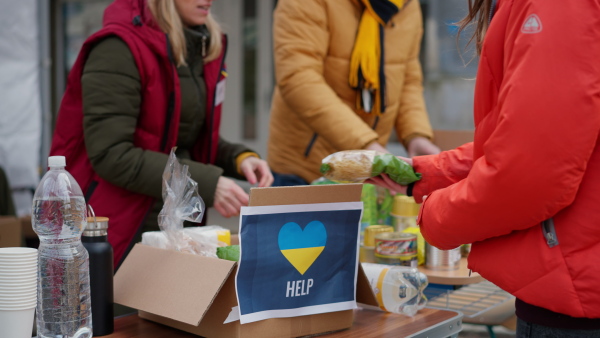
(355, 166)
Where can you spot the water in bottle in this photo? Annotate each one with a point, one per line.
(398, 289)
(59, 218)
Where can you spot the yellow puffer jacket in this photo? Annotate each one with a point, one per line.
(314, 110)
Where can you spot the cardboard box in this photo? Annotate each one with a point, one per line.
(10, 231)
(450, 139)
(196, 294)
(27, 227)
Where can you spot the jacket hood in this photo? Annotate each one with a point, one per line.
(136, 16)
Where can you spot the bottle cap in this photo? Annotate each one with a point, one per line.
(96, 226)
(405, 206)
(372, 230)
(57, 161)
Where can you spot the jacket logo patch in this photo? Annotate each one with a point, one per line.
(532, 25)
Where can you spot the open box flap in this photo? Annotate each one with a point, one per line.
(305, 194)
(364, 293)
(182, 286)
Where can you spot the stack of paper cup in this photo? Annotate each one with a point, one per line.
(18, 291)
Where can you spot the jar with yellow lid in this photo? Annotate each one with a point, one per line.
(404, 212)
(367, 248)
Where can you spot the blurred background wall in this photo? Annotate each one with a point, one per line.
(41, 38)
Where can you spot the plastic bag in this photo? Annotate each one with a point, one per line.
(182, 203)
(355, 166)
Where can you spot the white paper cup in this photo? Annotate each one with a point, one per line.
(17, 323)
(26, 295)
(18, 303)
(11, 263)
(21, 306)
(18, 307)
(18, 251)
(9, 289)
(29, 290)
(17, 259)
(18, 264)
(25, 300)
(11, 281)
(18, 275)
(18, 269)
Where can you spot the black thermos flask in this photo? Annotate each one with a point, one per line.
(94, 239)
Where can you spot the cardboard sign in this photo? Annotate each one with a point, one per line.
(297, 260)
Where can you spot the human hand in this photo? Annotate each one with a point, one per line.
(377, 147)
(255, 170)
(421, 146)
(385, 181)
(229, 197)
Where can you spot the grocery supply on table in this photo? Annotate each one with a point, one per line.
(396, 248)
(437, 259)
(355, 166)
(404, 212)
(367, 247)
(59, 218)
(183, 203)
(398, 289)
(95, 241)
(230, 252)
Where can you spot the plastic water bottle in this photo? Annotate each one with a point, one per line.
(59, 218)
(398, 289)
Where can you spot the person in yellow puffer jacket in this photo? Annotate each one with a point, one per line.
(331, 95)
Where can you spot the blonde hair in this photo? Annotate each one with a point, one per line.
(169, 21)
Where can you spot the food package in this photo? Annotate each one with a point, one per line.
(198, 240)
(182, 203)
(355, 166)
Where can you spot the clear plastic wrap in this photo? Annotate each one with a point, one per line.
(355, 166)
(182, 203)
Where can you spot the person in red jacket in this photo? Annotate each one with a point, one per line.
(153, 78)
(525, 192)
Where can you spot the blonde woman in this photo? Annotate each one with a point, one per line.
(151, 79)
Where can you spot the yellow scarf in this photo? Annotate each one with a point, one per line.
(366, 64)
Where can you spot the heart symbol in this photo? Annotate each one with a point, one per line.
(302, 247)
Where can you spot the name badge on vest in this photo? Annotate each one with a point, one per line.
(220, 93)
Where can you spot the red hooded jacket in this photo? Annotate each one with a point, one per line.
(526, 191)
(132, 22)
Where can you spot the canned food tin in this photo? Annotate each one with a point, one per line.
(396, 248)
(437, 259)
(395, 243)
(402, 260)
(371, 232)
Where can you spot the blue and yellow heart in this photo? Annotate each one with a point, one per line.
(302, 247)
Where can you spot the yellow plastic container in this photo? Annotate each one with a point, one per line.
(373, 230)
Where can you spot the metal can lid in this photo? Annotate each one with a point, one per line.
(372, 230)
(395, 236)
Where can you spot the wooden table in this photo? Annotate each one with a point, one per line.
(459, 276)
(367, 324)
